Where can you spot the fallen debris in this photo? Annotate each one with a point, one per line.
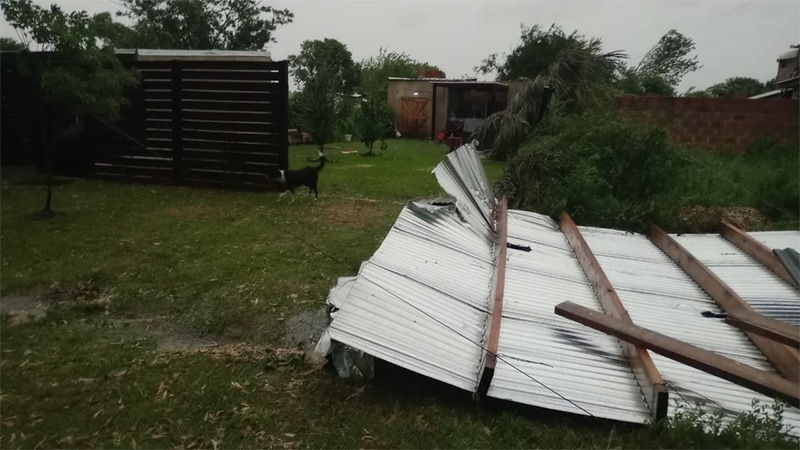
(424, 302)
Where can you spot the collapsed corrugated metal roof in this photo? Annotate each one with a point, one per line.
(583, 365)
(406, 306)
(755, 283)
(659, 296)
(423, 302)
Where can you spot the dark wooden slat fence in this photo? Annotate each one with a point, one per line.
(199, 123)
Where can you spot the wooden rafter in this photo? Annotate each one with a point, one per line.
(756, 250)
(785, 359)
(765, 326)
(761, 381)
(645, 371)
(493, 341)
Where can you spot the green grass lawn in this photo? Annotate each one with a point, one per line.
(124, 263)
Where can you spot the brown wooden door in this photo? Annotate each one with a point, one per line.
(414, 116)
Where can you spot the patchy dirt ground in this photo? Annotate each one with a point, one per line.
(300, 334)
(23, 307)
(304, 329)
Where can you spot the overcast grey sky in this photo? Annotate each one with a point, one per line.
(734, 38)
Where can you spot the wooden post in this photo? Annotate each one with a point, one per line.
(766, 383)
(784, 358)
(177, 139)
(283, 115)
(433, 111)
(765, 326)
(495, 316)
(647, 375)
(756, 250)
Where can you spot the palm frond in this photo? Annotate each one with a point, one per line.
(579, 76)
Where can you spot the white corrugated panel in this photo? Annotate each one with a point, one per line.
(462, 176)
(778, 239)
(583, 365)
(661, 297)
(765, 291)
(421, 301)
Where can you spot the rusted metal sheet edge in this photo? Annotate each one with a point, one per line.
(765, 326)
(785, 359)
(766, 383)
(496, 314)
(756, 250)
(644, 369)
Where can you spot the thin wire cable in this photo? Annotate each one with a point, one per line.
(791, 19)
(679, 388)
(323, 252)
(499, 356)
(719, 17)
(691, 405)
(127, 136)
(502, 357)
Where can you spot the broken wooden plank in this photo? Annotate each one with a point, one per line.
(766, 383)
(496, 314)
(647, 375)
(765, 326)
(757, 250)
(785, 359)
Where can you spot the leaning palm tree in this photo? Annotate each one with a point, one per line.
(578, 77)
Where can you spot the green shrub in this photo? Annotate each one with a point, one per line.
(777, 189)
(607, 169)
(766, 177)
(602, 167)
(761, 427)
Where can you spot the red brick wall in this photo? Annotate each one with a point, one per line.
(717, 123)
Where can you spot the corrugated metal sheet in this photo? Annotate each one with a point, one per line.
(190, 54)
(584, 365)
(660, 296)
(421, 301)
(765, 291)
(778, 239)
(462, 176)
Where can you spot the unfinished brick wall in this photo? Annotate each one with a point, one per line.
(717, 123)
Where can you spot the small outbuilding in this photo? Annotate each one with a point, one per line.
(423, 105)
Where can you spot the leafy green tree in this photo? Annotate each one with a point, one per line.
(662, 68)
(669, 58)
(10, 45)
(734, 85)
(205, 24)
(116, 34)
(327, 77)
(634, 83)
(76, 75)
(375, 70)
(692, 92)
(579, 78)
(538, 48)
(374, 118)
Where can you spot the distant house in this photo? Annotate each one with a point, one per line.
(788, 79)
(423, 105)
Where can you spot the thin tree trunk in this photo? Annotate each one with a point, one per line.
(49, 200)
(48, 160)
